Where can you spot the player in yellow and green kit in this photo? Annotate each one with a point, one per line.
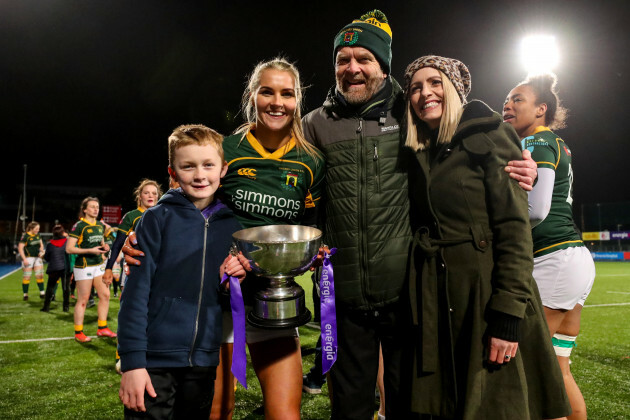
(266, 187)
(31, 249)
(147, 195)
(274, 177)
(86, 240)
(563, 266)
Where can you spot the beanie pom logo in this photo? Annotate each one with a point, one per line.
(374, 21)
(350, 38)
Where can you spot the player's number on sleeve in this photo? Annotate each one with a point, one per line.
(570, 195)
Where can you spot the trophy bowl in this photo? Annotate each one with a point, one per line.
(278, 253)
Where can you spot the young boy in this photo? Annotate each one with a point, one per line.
(169, 324)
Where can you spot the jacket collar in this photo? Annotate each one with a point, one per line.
(476, 115)
(374, 109)
(176, 197)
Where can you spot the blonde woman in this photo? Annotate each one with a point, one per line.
(147, 194)
(269, 157)
(482, 344)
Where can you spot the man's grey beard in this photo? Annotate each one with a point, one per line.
(362, 96)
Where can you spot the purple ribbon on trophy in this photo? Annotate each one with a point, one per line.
(328, 313)
(239, 356)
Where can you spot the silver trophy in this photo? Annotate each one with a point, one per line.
(277, 254)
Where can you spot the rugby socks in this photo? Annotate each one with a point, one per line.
(102, 324)
(563, 344)
(40, 286)
(25, 284)
(78, 329)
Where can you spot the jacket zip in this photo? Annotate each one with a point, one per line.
(362, 211)
(377, 170)
(203, 274)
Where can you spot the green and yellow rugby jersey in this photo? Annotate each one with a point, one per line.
(558, 230)
(130, 220)
(110, 237)
(269, 188)
(88, 235)
(31, 244)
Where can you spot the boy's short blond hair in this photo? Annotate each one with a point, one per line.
(196, 134)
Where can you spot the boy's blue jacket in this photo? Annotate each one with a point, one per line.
(169, 312)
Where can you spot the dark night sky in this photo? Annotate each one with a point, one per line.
(90, 90)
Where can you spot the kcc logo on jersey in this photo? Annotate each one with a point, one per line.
(248, 172)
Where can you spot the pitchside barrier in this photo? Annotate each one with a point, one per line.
(602, 244)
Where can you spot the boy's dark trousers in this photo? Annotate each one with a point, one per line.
(182, 393)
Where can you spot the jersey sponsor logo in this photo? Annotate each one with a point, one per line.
(531, 142)
(248, 172)
(95, 239)
(266, 204)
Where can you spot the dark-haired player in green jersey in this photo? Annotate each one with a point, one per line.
(563, 266)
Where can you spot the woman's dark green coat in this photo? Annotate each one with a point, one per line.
(472, 273)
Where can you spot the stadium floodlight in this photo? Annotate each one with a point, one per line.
(539, 53)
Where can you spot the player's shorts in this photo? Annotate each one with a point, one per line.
(31, 262)
(88, 273)
(565, 277)
(254, 334)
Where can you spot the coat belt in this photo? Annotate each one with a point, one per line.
(427, 353)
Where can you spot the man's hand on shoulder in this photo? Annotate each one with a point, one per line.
(524, 171)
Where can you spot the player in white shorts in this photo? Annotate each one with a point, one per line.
(87, 242)
(31, 248)
(565, 277)
(88, 273)
(563, 266)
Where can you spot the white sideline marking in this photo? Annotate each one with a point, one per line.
(608, 304)
(32, 340)
(8, 274)
(623, 293)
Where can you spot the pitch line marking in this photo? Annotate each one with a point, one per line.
(608, 304)
(623, 293)
(8, 274)
(33, 340)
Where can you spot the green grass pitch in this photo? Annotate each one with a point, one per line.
(45, 374)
